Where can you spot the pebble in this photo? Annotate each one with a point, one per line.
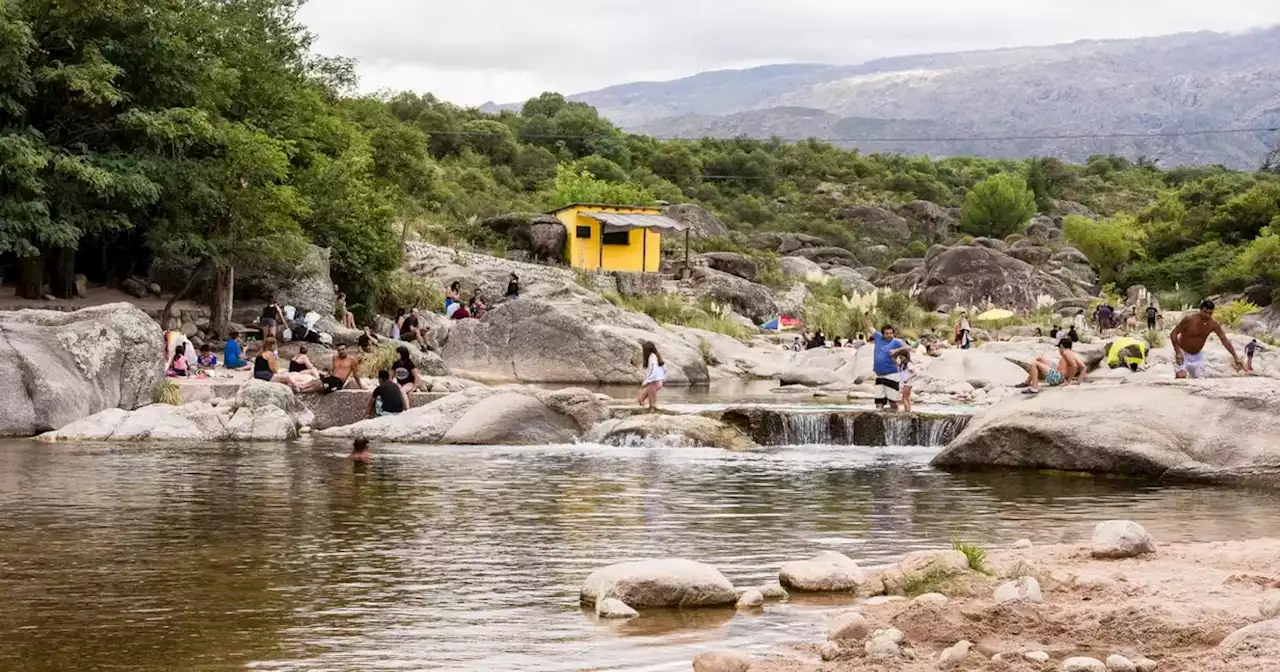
(1025, 589)
(1083, 664)
(936, 599)
(882, 646)
(829, 651)
(1145, 664)
(1022, 543)
(1270, 607)
(750, 598)
(955, 654)
(851, 625)
(1118, 663)
(1036, 656)
(1115, 539)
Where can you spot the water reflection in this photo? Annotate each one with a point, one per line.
(291, 558)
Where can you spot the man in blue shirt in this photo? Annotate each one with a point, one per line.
(233, 356)
(888, 378)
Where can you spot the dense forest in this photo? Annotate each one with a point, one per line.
(207, 133)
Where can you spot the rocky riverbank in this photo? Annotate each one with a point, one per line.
(1071, 608)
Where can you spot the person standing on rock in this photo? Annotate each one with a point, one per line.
(1153, 314)
(1250, 350)
(906, 372)
(655, 374)
(1189, 337)
(885, 366)
(387, 398)
(272, 320)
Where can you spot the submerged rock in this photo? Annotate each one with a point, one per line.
(614, 608)
(670, 430)
(750, 598)
(57, 368)
(672, 582)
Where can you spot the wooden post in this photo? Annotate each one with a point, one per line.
(644, 250)
(686, 253)
(600, 244)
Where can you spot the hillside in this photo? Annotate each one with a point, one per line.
(1185, 82)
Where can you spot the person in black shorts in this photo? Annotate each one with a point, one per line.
(1152, 314)
(387, 398)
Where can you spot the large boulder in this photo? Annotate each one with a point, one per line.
(312, 289)
(825, 366)
(853, 281)
(928, 221)
(669, 431)
(57, 368)
(733, 264)
(1211, 430)
(510, 415)
(829, 255)
(701, 223)
(260, 412)
(788, 243)
(800, 268)
(1262, 323)
(669, 582)
(488, 275)
(873, 223)
(745, 297)
(542, 235)
(968, 275)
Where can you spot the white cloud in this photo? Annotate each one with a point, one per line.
(508, 50)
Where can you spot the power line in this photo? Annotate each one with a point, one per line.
(976, 138)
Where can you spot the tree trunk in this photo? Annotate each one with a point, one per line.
(62, 275)
(220, 300)
(191, 280)
(31, 277)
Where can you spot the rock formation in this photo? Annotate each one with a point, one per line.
(973, 275)
(57, 368)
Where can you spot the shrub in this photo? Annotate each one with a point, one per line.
(1233, 313)
(675, 309)
(976, 554)
(167, 392)
(1155, 338)
(378, 360)
(409, 291)
(997, 206)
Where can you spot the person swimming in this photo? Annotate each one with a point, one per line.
(360, 451)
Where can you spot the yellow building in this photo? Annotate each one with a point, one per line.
(606, 237)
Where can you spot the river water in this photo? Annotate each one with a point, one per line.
(275, 557)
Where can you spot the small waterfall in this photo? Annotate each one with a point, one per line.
(786, 427)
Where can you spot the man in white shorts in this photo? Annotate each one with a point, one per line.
(888, 378)
(1189, 337)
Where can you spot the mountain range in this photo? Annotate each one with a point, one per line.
(1019, 102)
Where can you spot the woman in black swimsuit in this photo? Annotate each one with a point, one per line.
(265, 365)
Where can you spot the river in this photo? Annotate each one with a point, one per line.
(275, 557)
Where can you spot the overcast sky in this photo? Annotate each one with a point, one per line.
(473, 51)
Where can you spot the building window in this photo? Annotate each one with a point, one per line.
(584, 232)
(616, 238)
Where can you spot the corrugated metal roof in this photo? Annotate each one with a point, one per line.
(619, 222)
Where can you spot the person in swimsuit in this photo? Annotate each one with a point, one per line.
(266, 364)
(360, 451)
(1189, 337)
(1069, 369)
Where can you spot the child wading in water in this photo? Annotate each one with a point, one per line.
(906, 372)
(655, 373)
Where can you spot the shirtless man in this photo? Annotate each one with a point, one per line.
(346, 368)
(1070, 369)
(1188, 339)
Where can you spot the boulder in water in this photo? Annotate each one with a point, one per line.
(57, 368)
(670, 430)
(615, 608)
(671, 582)
(750, 599)
(510, 415)
(1209, 430)
(826, 572)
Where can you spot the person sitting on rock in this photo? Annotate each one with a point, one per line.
(345, 316)
(368, 341)
(398, 323)
(476, 307)
(818, 341)
(345, 370)
(305, 376)
(452, 299)
(206, 360)
(387, 398)
(178, 365)
(406, 374)
(232, 354)
(267, 364)
(1068, 370)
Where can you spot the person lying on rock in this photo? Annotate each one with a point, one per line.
(387, 398)
(345, 370)
(368, 341)
(1189, 337)
(1069, 369)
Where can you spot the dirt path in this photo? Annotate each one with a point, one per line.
(1174, 607)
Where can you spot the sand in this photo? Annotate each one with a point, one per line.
(1173, 607)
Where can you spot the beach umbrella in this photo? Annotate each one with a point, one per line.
(994, 315)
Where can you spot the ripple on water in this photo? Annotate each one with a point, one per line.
(284, 558)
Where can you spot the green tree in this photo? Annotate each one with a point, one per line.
(492, 139)
(582, 187)
(1243, 217)
(1109, 243)
(997, 207)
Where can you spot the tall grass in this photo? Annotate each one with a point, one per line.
(976, 555)
(167, 392)
(675, 309)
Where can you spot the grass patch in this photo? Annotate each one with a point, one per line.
(675, 309)
(167, 392)
(976, 555)
(1155, 338)
(932, 581)
(378, 360)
